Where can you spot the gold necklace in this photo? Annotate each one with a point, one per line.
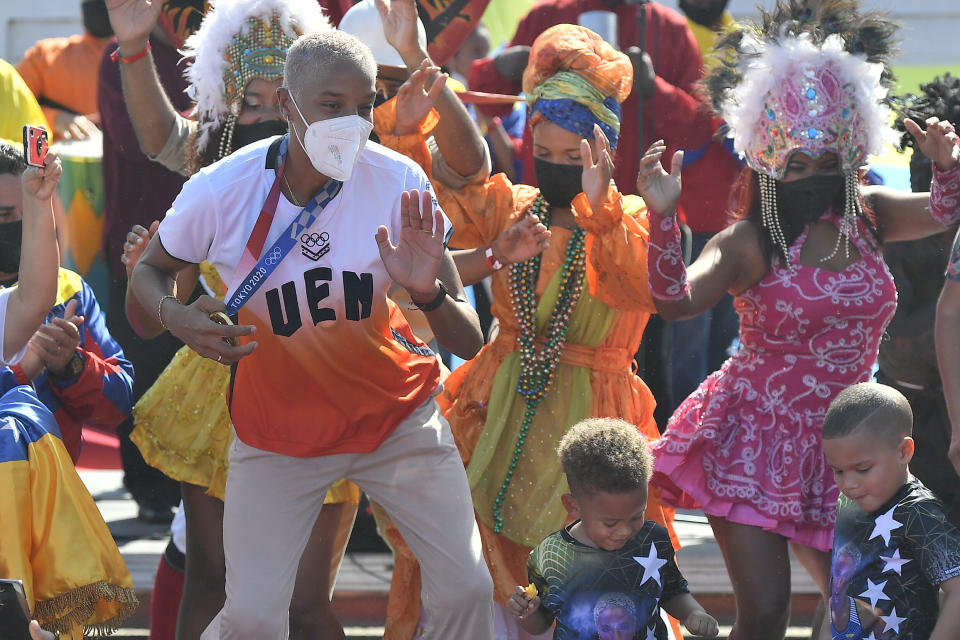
(290, 191)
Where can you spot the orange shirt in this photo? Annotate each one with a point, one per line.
(64, 70)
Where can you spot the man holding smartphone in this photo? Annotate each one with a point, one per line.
(336, 384)
(53, 537)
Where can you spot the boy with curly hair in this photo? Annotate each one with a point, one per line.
(608, 573)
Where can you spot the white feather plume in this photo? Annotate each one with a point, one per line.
(208, 46)
(766, 64)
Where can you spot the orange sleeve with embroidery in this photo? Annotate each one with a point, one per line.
(616, 250)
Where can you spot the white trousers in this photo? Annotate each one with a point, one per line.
(273, 500)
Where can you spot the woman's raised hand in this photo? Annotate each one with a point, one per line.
(660, 190)
(596, 172)
(133, 20)
(415, 99)
(938, 142)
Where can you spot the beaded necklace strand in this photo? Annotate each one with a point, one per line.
(538, 368)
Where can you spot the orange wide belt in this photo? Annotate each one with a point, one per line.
(606, 359)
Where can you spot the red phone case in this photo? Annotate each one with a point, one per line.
(34, 145)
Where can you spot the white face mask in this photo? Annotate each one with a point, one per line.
(334, 145)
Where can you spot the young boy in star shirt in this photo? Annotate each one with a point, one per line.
(608, 573)
(893, 547)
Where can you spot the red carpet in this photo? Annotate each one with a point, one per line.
(101, 450)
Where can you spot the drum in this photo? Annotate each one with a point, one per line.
(79, 204)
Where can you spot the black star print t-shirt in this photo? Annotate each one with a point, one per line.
(888, 565)
(599, 595)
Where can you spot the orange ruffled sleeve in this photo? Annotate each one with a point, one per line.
(479, 212)
(616, 244)
(413, 145)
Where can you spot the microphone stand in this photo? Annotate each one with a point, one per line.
(642, 45)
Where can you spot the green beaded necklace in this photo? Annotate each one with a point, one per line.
(537, 368)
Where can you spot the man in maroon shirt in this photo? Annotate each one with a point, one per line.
(137, 191)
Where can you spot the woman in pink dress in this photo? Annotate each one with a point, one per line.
(805, 109)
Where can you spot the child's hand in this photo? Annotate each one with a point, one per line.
(40, 182)
(136, 244)
(701, 623)
(521, 604)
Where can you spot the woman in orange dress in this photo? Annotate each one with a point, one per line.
(570, 319)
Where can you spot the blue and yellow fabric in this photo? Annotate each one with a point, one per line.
(52, 536)
(102, 395)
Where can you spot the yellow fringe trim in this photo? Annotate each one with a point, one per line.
(63, 613)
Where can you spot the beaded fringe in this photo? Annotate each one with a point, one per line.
(226, 137)
(770, 217)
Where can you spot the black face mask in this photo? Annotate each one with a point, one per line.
(807, 199)
(706, 16)
(244, 134)
(96, 20)
(11, 234)
(559, 183)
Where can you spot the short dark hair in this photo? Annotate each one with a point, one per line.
(11, 160)
(884, 408)
(605, 454)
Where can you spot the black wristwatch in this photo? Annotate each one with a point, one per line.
(436, 302)
(73, 369)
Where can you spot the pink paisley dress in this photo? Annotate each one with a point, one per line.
(745, 446)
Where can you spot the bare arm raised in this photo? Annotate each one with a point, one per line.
(36, 293)
(731, 261)
(150, 110)
(910, 216)
(457, 136)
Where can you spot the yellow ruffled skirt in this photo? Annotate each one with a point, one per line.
(183, 427)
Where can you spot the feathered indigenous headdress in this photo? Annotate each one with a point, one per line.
(805, 80)
(239, 40)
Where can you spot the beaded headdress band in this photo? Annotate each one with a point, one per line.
(237, 41)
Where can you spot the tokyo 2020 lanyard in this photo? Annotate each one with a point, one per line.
(271, 258)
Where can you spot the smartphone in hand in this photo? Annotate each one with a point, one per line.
(34, 145)
(14, 611)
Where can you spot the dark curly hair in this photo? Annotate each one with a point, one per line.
(863, 32)
(939, 98)
(605, 454)
(11, 160)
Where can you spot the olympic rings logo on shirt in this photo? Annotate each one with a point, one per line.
(274, 257)
(314, 239)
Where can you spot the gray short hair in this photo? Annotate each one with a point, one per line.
(313, 53)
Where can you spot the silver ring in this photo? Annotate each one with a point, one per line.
(219, 357)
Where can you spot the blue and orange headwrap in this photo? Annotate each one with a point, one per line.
(575, 80)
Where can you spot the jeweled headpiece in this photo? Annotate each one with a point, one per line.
(237, 41)
(798, 96)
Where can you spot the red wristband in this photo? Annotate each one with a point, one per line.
(492, 263)
(140, 55)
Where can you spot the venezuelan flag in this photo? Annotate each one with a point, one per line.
(52, 535)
